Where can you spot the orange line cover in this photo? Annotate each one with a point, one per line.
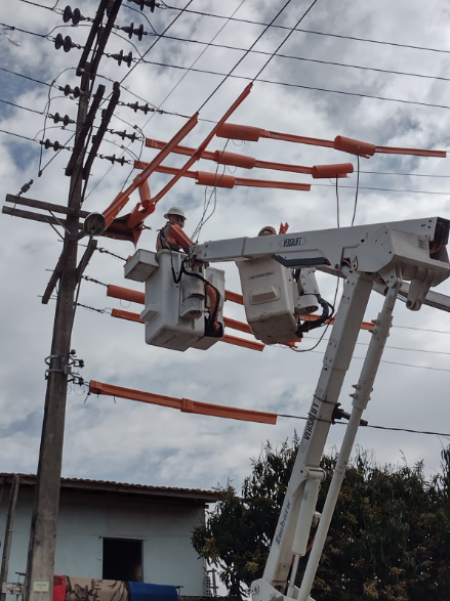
(364, 149)
(184, 405)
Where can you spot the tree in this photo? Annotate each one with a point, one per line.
(389, 538)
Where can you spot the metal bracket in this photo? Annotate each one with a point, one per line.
(68, 365)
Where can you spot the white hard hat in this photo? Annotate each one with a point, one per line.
(175, 211)
(267, 230)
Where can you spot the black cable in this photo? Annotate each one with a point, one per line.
(385, 189)
(408, 430)
(229, 74)
(286, 38)
(338, 218)
(311, 60)
(24, 108)
(299, 86)
(356, 195)
(309, 31)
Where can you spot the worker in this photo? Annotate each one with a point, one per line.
(165, 238)
(268, 230)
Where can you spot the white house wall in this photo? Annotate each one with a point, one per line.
(165, 528)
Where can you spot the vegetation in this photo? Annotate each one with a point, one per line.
(389, 538)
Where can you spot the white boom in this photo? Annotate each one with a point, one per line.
(382, 255)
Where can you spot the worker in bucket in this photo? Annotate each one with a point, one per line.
(268, 230)
(165, 238)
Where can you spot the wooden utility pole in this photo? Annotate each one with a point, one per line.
(9, 532)
(41, 553)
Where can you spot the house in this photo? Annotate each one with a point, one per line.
(115, 531)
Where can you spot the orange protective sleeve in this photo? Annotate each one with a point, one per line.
(184, 405)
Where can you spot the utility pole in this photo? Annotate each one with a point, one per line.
(41, 553)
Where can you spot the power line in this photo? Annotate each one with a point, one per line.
(385, 189)
(406, 174)
(396, 348)
(312, 32)
(229, 74)
(408, 430)
(300, 86)
(24, 108)
(266, 81)
(311, 60)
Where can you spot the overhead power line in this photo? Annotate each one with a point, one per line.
(299, 86)
(260, 80)
(312, 32)
(384, 189)
(310, 60)
(408, 430)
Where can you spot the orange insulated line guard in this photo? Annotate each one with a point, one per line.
(184, 405)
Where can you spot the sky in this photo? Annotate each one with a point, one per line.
(127, 441)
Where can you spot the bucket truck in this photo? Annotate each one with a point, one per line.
(398, 259)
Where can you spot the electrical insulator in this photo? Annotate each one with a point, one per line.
(137, 107)
(121, 58)
(109, 7)
(123, 134)
(141, 3)
(130, 29)
(66, 119)
(114, 159)
(68, 90)
(65, 43)
(72, 15)
(55, 145)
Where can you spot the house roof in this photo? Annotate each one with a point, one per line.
(105, 486)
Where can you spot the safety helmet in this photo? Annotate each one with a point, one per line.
(175, 211)
(267, 231)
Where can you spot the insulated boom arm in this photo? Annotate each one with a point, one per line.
(413, 250)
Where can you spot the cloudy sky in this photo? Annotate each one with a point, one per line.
(130, 442)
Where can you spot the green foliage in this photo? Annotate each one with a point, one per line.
(389, 538)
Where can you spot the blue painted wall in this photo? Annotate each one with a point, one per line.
(85, 519)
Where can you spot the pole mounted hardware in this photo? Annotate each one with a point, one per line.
(120, 58)
(141, 3)
(55, 145)
(131, 30)
(66, 120)
(114, 159)
(97, 139)
(85, 128)
(66, 43)
(145, 108)
(76, 92)
(73, 15)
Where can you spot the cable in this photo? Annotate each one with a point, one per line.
(10, 133)
(214, 191)
(286, 38)
(356, 195)
(226, 76)
(24, 108)
(182, 10)
(396, 348)
(337, 203)
(42, 6)
(385, 189)
(409, 430)
(207, 45)
(309, 31)
(299, 86)
(311, 60)
(408, 174)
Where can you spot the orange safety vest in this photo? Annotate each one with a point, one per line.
(166, 240)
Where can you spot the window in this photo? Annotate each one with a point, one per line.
(122, 559)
